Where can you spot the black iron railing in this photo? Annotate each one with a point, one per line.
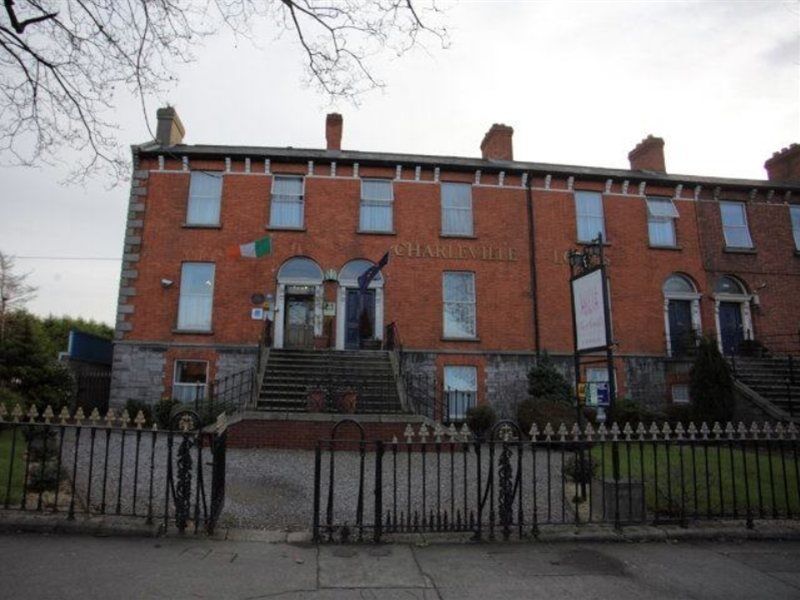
(74, 464)
(511, 484)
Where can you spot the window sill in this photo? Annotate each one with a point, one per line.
(734, 250)
(193, 331)
(370, 232)
(673, 248)
(590, 243)
(279, 228)
(198, 226)
(460, 339)
(463, 236)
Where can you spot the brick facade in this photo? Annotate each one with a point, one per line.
(504, 194)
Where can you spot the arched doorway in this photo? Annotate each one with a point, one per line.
(359, 315)
(299, 296)
(681, 314)
(732, 310)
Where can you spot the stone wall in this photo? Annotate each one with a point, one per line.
(137, 373)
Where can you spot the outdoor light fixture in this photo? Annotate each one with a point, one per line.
(165, 283)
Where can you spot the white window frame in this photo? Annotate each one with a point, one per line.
(176, 385)
(794, 219)
(194, 195)
(664, 216)
(473, 303)
(183, 294)
(680, 393)
(300, 199)
(376, 202)
(725, 227)
(693, 297)
(579, 194)
(471, 232)
(471, 395)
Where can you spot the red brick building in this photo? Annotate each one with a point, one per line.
(477, 279)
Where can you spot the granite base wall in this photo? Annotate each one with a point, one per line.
(137, 373)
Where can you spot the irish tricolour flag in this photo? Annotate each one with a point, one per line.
(253, 249)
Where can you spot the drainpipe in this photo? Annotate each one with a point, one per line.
(532, 263)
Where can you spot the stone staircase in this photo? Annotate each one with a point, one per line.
(290, 374)
(775, 379)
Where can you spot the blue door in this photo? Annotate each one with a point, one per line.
(356, 326)
(731, 329)
(681, 336)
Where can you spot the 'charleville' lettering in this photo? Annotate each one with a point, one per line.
(454, 251)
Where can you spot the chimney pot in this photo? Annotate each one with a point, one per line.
(169, 131)
(333, 131)
(497, 143)
(648, 155)
(784, 165)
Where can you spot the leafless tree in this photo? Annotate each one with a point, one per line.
(63, 61)
(14, 292)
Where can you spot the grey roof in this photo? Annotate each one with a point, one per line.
(458, 163)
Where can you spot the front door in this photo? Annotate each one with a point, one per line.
(681, 336)
(730, 326)
(299, 322)
(357, 327)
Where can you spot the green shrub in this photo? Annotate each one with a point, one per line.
(626, 410)
(543, 412)
(134, 406)
(547, 382)
(163, 412)
(42, 444)
(581, 468)
(43, 480)
(9, 398)
(711, 386)
(679, 413)
(480, 419)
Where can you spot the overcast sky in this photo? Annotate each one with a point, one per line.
(581, 83)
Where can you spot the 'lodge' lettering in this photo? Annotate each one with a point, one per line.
(454, 251)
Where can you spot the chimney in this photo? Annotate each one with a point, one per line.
(170, 130)
(496, 144)
(784, 165)
(648, 155)
(333, 131)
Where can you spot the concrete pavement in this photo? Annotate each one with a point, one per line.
(70, 566)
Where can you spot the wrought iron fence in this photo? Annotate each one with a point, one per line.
(75, 464)
(447, 480)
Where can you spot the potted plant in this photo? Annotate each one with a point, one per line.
(347, 401)
(315, 399)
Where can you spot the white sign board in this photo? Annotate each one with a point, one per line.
(590, 320)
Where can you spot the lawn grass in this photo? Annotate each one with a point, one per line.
(12, 494)
(713, 480)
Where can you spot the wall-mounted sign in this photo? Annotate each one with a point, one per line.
(329, 309)
(590, 319)
(257, 314)
(455, 251)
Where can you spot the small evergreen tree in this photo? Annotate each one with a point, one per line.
(711, 385)
(545, 382)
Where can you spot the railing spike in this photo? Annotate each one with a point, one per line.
(692, 430)
(779, 431)
(110, 417)
(423, 433)
(48, 414)
(615, 432)
(33, 413)
(124, 418)
(466, 434)
(654, 430)
(741, 429)
(767, 430)
(534, 432)
(394, 440)
(63, 416)
(548, 432)
(94, 416)
(791, 431)
(409, 433)
(602, 432)
(729, 430)
(16, 413)
(79, 416)
(139, 420)
(704, 430)
(576, 432)
(754, 430)
(438, 432)
(452, 432)
(627, 431)
(589, 432)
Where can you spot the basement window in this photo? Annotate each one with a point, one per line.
(460, 391)
(680, 393)
(189, 385)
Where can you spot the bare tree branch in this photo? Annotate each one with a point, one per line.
(63, 61)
